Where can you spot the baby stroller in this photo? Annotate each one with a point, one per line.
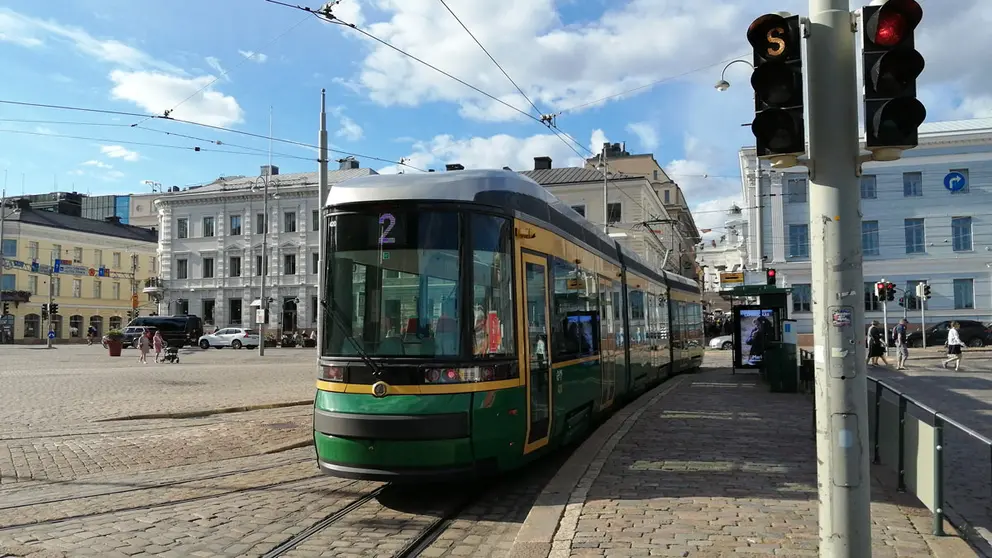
(171, 355)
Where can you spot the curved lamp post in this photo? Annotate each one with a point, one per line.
(723, 84)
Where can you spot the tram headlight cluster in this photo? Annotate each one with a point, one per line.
(332, 373)
(436, 376)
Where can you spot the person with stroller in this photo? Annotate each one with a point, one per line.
(876, 344)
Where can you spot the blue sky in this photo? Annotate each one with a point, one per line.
(146, 57)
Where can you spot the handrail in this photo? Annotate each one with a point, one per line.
(923, 406)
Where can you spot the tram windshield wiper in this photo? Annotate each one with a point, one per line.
(338, 321)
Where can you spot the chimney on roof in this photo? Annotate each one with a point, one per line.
(348, 163)
(270, 170)
(454, 167)
(542, 163)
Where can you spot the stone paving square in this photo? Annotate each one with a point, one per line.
(714, 465)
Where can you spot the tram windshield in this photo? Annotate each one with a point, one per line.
(398, 285)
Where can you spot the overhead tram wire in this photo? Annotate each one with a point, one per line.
(209, 126)
(224, 73)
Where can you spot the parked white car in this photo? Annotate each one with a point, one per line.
(725, 342)
(234, 337)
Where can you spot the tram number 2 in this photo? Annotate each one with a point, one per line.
(384, 238)
(776, 43)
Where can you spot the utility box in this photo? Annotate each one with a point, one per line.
(781, 363)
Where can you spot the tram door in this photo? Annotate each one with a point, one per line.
(538, 372)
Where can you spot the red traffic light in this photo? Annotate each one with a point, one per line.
(770, 277)
(896, 20)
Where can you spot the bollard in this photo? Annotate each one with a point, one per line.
(938, 475)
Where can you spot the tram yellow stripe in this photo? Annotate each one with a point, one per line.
(440, 389)
(557, 365)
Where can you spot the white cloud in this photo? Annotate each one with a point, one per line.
(645, 133)
(100, 164)
(214, 63)
(713, 215)
(350, 11)
(113, 175)
(119, 152)
(255, 56)
(76, 172)
(597, 140)
(43, 130)
(158, 92)
(490, 152)
(350, 130)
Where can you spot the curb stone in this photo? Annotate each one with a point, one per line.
(549, 527)
(209, 412)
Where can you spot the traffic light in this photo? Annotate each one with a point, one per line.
(6, 308)
(44, 311)
(880, 291)
(770, 277)
(891, 65)
(890, 291)
(902, 301)
(923, 291)
(54, 309)
(778, 125)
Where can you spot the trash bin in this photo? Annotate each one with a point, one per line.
(780, 368)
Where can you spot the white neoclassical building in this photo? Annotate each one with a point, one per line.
(210, 248)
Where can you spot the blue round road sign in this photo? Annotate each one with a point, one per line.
(955, 181)
(51, 335)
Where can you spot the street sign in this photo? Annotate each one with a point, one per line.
(51, 335)
(260, 316)
(731, 280)
(955, 181)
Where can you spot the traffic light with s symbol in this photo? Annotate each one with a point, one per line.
(778, 126)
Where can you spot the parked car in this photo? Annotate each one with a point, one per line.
(725, 342)
(234, 337)
(973, 334)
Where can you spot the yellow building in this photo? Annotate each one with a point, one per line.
(89, 268)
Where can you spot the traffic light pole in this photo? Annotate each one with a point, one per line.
(838, 309)
(885, 318)
(923, 320)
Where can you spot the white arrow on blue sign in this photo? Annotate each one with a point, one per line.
(51, 335)
(955, 181)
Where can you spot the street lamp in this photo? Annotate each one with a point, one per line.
(262, 304)
(723, 84)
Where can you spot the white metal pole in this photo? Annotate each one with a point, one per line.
(923, 320)
(838, 311)
(885, 323)
(323, 190)
(606, 203)
(51, 300)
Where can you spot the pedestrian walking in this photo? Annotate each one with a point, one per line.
(899, 333)
(90, 335)
(954, 346)
(144, 344)
(158, 342)
(876, 348)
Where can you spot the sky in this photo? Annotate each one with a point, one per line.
(638, 71)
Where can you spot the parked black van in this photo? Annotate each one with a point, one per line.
(178, 331)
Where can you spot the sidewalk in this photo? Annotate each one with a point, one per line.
(706, 465)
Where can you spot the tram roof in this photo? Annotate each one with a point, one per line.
(499, 188)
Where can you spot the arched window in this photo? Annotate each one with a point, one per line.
(32, 326)
(116, 322)
(76, 326)
(97, 322)
(58, 326)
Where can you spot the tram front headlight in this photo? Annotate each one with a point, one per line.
(435, 376)
(332, 373)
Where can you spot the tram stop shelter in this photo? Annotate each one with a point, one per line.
(765, 338)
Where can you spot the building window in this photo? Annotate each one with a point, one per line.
(967, 181)
(208, 227)
(234, 269)
(260, 223)
(234, 311)
(872, 304)
(208, 310)
(668, 196)
(314, 263)
(580, 209)
(869, 187)
(289, 264)
(915, 237)
(77, 255)
(182, 269)
(802, 297)
(911, 301)
(235, 225)
(57, 251)
(313, 310)
(260, 265)
(98, 258)
(8, 282)
(97, 289)
(182, 228)
(869, 238)
(153, 264)
(656, 175)
(117, 260)
(77, 288)
(182, 307)
(315, 220)
(208, 268)
(796, 190)
(964, 294)
(912, 184)
(798, 241)
(289, 222)
(32, 250)
(961, 233)
(116, 287)
(33, 284)
(9, 248)
(614, 213)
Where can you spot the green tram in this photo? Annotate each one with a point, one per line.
(472, 321)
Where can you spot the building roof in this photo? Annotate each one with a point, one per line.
(80, 224)
(227, 184)
(952, 127)
(570, 175)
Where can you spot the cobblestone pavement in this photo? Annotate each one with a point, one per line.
(720, 467)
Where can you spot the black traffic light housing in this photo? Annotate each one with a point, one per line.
(54, 309)
(926, 291)
(890, 291)
(6, 308)
(892, 65)
(778, 126)
(770, 276)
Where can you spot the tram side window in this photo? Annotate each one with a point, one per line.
(636, 300)
(664, 324)
(574, 312)
(492, 286)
